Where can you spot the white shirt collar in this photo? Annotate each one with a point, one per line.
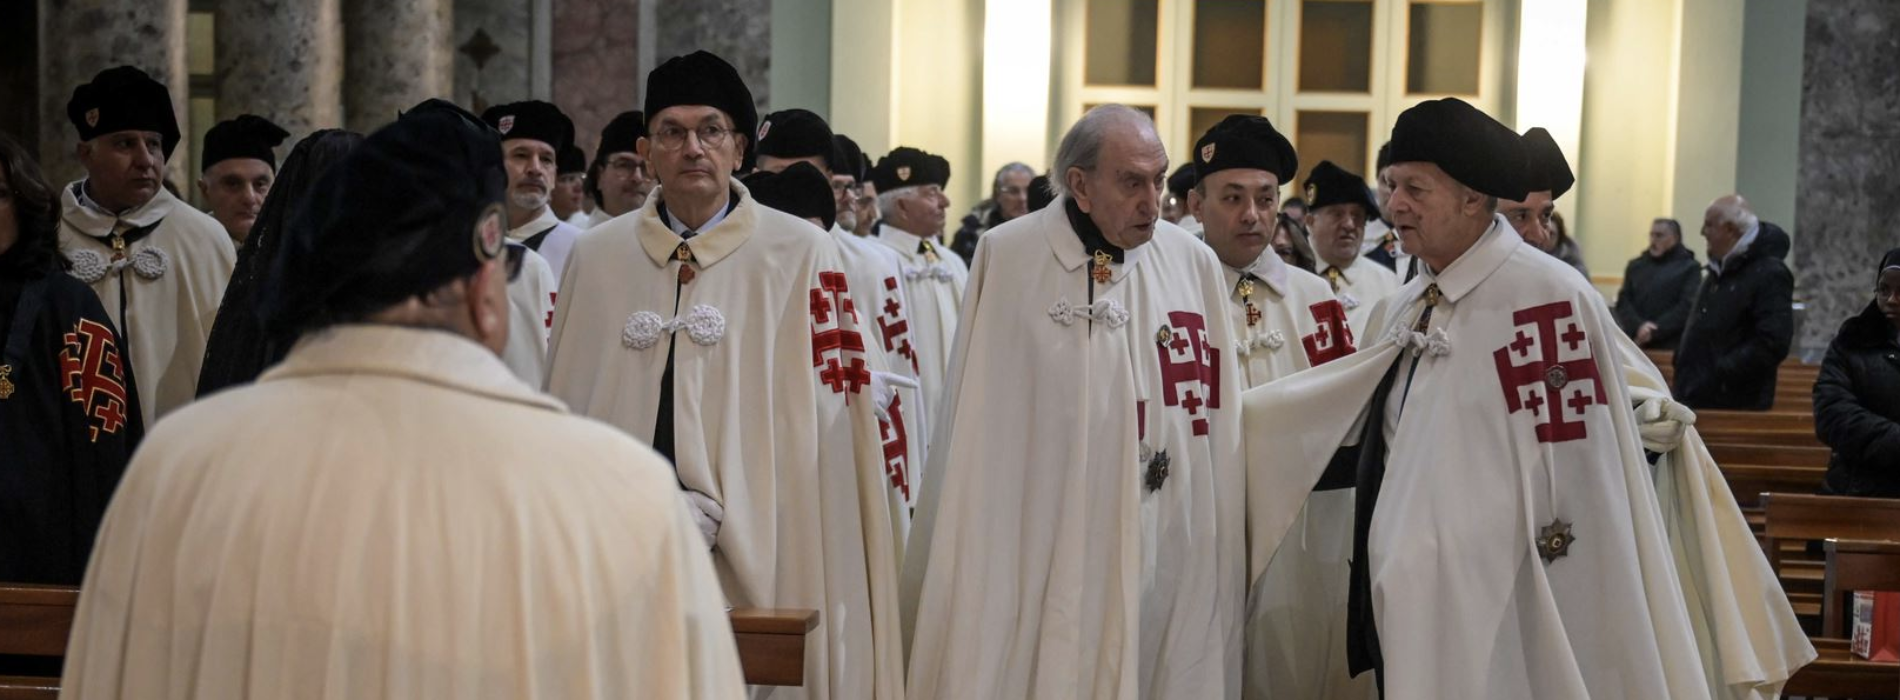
(680, 228)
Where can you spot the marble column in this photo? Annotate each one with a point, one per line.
(79, 38)
(398, 54)
(1849, 182)
(596, 65)
(282, 60)
(739, 31)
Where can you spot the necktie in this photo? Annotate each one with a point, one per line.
(663, 421)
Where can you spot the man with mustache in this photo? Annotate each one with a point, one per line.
(1340, 207)
(239, 165)
(533, 134)
(159, 265)
(621, 179)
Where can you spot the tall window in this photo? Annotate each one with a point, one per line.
(1331, 74)
(202, 104)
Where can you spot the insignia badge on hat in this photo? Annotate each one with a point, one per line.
(903, 173)
(1312, 192)
(764, 127)
(506, 123)
(1207, 152)
(92, 117)
(488, 234)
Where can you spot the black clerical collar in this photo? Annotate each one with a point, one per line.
(1085, 229)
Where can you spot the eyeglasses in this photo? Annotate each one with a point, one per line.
(673, 137)
(626, 167)
(516, 253)
(843, 185)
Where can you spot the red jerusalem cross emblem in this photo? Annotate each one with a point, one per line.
(837, 350)
(1333, 339)
(892, 327)
(1545, 370)
(91, 373)
(896, 449)
(1190, 368)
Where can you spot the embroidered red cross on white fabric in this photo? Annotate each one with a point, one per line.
(1544, 371)
(550, 321)
(837, 350)
(892, 326)
(896, 449)
(1333, 339)
(1190, 368)
(93, 377)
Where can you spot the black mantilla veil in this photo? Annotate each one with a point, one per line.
(240, 348)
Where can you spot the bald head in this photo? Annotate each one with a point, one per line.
(1113, 165)
(1727, 219)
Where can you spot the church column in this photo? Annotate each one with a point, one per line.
(398, 55)
(596, 64)
(79, 38)
(281, 60)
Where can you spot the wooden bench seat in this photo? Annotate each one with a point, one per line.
(1840, 674)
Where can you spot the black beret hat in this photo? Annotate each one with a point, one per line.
(1384, 159)
(1039, 193)
(247, 136)
(1544, 165)
(123, 99)
(1467, 144)
(621, 134)
(909, 167)
(532, 119)
(1245, 141)
(796, 133)
(570, 161)
(700, 78)
(416, 205)
(848, 159)
(1330, 184)
(1182, 180)
(800, 190)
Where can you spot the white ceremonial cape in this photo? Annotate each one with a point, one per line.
(530, 314)
(876, 275)
(1361, 286)
(1041, 565)
(554, 246)
(1464, 604)
(597, 217)
(580, 219)
(162, 296)
(1296, 612)
(1746, 630)
(389, 514)
(771, 415)
(934, 292)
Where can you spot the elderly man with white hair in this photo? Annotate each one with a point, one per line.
(1088, 542)
(1742, 323)
(911, 202)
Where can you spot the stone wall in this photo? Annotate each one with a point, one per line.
(508, 74)
(1849, 163)
(739, 31)
(596, 70)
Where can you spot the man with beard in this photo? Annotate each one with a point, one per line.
(1659, 288)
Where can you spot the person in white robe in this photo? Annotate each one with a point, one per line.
(1285, 320)
(620, 182)
(531, 293)
(911, 202)
(1507, 537)
(388, 513)
(1080, 529)
(1339, 205)
(795, 140)
(158, 265)
(726, 333)
(533, 135)
(1746, 631)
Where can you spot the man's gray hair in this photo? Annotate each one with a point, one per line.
(1674, 226)
(1733, 209)
(1082, 146)
(996, 183)
(887, 201)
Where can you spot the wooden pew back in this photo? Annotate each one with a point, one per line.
(1855, 565)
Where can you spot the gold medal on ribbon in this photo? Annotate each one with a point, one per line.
(1099, 271)
(6, 385)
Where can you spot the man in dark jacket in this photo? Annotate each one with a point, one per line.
(1857, 396)
(1659, 289)
(1743, 321)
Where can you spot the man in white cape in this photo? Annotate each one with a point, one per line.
(158, 265)
(1286, 320)
(793, 136)
(1746, 631)
(724, 331)
(533, 135)
(1079, 534)
(1507, 540)
(388, 513)
(1338, 207)
(911, 201)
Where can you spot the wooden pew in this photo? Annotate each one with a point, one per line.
(1855, 565)
(1800, 517)
(1840, 674)
(36, 620)
(1726, 453)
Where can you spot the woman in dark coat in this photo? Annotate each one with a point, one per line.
(1857, 395)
